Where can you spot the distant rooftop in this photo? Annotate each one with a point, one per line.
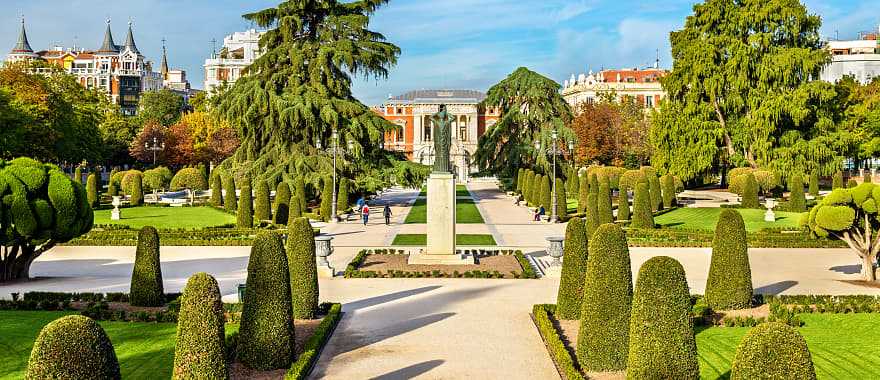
(438, 96)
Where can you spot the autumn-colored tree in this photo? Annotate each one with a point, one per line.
(212, 140)
(152, 133)
(611, 132)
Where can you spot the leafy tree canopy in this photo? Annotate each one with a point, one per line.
(163, 106)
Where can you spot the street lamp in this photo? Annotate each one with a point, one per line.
(553, 151)
(155, 147)
(334, 149)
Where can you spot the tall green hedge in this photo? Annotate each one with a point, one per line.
(282, 203)
(299, 192)
(262, 210)
(591, 218)
(266, 335)
(146, 277)
(729, 285)
(519, 178)
(136, 190)
(200, 351)
(327, 200)
(245, 213)
(546, 193)
(655, 193)
(605, 311)
(603, 197)
(837, 180)
(797, 200)
(561, 200)
(667, 184)
(773, 351)
(814, 183)
(623, 212)
(92, 190)
(295, 210)
(583, 193)
(216, 191)
(77, 175)
(303, 268)
(641, 214)
(72, 347)
(342, 198)
(574, 268)
(230, 202)
(750, 192)
(661, 334)
(527, 185)
(536, 190)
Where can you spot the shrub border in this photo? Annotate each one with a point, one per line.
(562, 359)
(306, 361)
(352, 269)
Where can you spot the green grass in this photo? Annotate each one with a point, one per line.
(144, 350)
(463, 239)
(706, 218)
(168, 217)
(460, 191)
(843, 346)
(466, 212)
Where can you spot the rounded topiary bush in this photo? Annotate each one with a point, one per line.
(661, 334)
(851, 183)
(327, 200)
(773, 351)
(750, 192)
(299, 191)
(303, 268)
(837, 180)
(546, 193)
(797, 201)
(135, 188)
(230, 202)
(605, 309)
(261, 207)
(216, 191)
(729, 285)
(641, 214)
(266, 333)
(92, 190)
(282, 203)
(146, 277)
(667, 185)
(189, 178)
(200, 351)
(603, 205)
(72, 347)
(574, 268)
(245, 214)
(342, 198)
(157, 178)
(126, 179)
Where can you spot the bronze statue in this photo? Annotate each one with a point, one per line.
(442, 140)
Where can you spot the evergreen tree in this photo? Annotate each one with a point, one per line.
(229, 198)
(199, 352)
(77, 175)
(536, 190)
(92, 190)
(519, 178)
(299, 192)
(583, 193)
(546, 193)
(282, 203)
(245, 213)
(667, 184)
(837, 180)
(814, 183)
(797, 200)
(342, 198)
(136, 190)
(327, 200)
(216, 191)
(750, 192)
(262, 210)
(729, 285)
(303, 269)
(623, 212)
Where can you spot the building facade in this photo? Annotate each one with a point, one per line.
(119, 71)
(240, 49)
(643, 86)
(859, 59)
(412, 113)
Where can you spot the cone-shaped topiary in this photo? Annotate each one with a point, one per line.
(295, 211)
(327, 200)
(230, 202)
(583, 193)
(342, 198)
(216, 191)
(303, 269)
(641, 213)
(266, 336)
(667, 185)
(814, 183)
(661, 334)
(92, 190)
(261, 205)
(866, 178)
(561, 201)
(602, 342)
(136, 189)
(837, 180)
(603, 199)
(656, 196)
(72, 347)
(245, 213)
(750, 192)
(282, 203)
(519, 178)
(591, 220)
(536, 190)
(527, 185)
(299, 192)
(797, 200)
(773, 351)
(146, 276)
(729, 285)
(851, 183)
(623, 212)
(546, 193)
(201, 335)
(77, 175)
(574, 267)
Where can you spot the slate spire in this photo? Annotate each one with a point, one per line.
(22, 46)
(108, 46)
(129, 40)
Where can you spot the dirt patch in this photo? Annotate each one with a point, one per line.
(568, 331)
(383, 263)
(304, 329)
(762, 311)
(862, 283)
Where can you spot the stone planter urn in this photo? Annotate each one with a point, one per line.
(116, 214)
(323, 249)
(770, 216)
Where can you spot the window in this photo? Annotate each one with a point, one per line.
(462, 133)
(400, 111)
(649, 101)
(427, 129)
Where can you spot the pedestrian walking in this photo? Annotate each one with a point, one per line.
(360, 204)
(541, 212)
(365, 213)
(387, 213)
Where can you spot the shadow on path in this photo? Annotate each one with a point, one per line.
(775, 288)
(373, 301)
(848, 269)
(410, 371)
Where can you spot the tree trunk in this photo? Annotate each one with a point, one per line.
(868, 267)
(17, 265)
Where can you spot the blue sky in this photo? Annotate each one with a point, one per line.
(469, 44)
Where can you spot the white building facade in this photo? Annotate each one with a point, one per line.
(642, 86)
(240, 49)
(859, 59)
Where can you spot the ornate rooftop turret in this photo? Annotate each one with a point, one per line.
(164, 61)
(108, 46)
(22, 46)
(129, 40)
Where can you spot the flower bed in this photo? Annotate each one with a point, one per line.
(389, 261)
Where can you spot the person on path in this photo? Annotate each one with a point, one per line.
(387, 212)
(365, 212)
(360, 204)
(541, 213)
(535, 216)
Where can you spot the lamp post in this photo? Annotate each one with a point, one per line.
(553, 151)
(155, 147)
(334, 150)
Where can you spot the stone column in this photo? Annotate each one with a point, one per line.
(441, 224)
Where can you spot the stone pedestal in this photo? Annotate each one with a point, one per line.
(441, 224)
(323, 249)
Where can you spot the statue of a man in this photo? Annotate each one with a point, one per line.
(442, 140)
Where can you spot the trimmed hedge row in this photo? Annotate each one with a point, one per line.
(302, 367)
(352, 270)
(567, 366)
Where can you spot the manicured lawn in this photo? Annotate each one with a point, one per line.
(706, 218)
(843, 346)
(460, 191)
(167, 217)
(144, 350)
(466, 212)
(463, 239)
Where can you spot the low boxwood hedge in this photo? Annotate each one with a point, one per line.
(567, 366)
(302, 367)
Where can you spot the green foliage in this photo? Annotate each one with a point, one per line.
(623, 211)
(536, 190)
(866, 178)
(851, 183)
(163, 106)
(127, 179)
(92, 193)
(200, 349)
(72, 347)
(835, 218)
(266, 335)
(750, 192)
(545, 199)
(814, 183)
(519, 179)
(327, 200)
(603, 205)
(837, 180)
(558, 349)
(773, 351)
(591, 218)
(574, 268)
(77, 175)
(303, 268)
(729, 285)
(295, 210)
(230, 202)
(661, 334)
(561, 200)
(303, 365)
(282, 203)
(641, 214)
(342, 198)
(654, 191)
(189, 178)
(528, 178)
(146, 277)
(216, 190)
(667, 184)
(605, 311)
(262, 209)
(299, 192)
(136, 189)
(797, 200)
(157, 178)
(583, 193)
(245, 213)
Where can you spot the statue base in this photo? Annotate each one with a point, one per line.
(441, 224)
(115, 214)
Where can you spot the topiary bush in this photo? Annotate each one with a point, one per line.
(591, 218)
(342, 198)
(837, 180)
(605, 309)
(603, 205)
(561, 201)
(546, 193)
(327, 200)
(303, 268)
(146, 276)
(299, 191)
(200, 351)
(773, 351)
(729, 285)
(157, 178)
(519, 178)
(630, 178)
(216, 191)
(583, 193)
(667, 187)
(126, 180)
(266, 335)
(528, 178)
(189, 178)
(623, 212)
(77, 175)
(92, 193)
(797, 201)
(866, 178)
(641, 214)
(244, 217)
(661, 334)
(295, 210)
(851, 183)
(261, 208)
(750, 192)
(574, 268)
(814, 183)
(135, 188)
(72, 347)
(230, 202)
(282, 203)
